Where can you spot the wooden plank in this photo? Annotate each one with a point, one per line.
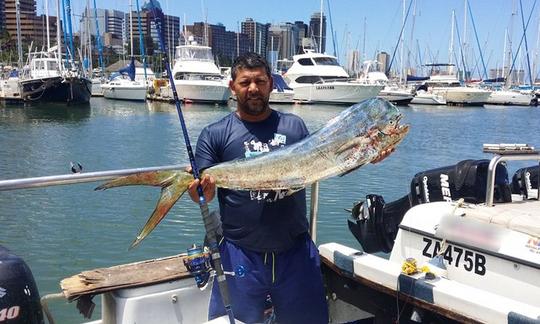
(130, 275)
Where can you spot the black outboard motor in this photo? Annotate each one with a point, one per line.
(375, 223)
(19, 297)
(525, 180)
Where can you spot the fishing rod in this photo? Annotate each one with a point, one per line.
(157, 14)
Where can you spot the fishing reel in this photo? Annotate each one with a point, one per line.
(198, 264)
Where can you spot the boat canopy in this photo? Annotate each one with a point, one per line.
(129, 70)
(416, 78)
(279, 84)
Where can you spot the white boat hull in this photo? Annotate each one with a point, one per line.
(284, 97)
(510, 98)
(125, 92)
(96, 90)
(463, 95)
(428, 98)
(202, 91)
(336, 92)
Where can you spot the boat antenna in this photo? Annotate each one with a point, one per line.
(156, 13)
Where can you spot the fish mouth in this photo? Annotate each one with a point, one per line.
(394, 128)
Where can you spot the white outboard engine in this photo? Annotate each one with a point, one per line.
(375, 223)
(19, 297)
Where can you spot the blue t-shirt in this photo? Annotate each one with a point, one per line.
(261, 221)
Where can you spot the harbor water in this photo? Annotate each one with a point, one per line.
(60, 231)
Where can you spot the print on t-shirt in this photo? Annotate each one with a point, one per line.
(254, 148)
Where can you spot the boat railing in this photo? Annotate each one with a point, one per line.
(506, 152)
(81, 177)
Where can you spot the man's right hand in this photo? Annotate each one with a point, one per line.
(208, 185)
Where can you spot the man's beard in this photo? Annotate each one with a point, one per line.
(255, 107)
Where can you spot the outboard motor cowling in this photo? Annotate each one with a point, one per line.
(375, 223)
(19, 297)
(525, 182)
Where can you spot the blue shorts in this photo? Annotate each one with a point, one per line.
(292, 279)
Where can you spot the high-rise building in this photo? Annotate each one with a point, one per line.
(32, 27)
(314, 31)
(226, 45)
(302, 33)
(257, 34)
(2, 15)
(284, 38)
(384, 59)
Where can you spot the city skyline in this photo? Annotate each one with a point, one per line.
(382, 20)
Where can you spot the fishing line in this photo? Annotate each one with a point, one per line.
(157, 15)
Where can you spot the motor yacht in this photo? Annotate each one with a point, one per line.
(394, 92)
(196, 76)
(444, 82)
(317, 77)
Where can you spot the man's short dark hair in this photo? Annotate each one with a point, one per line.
(249, 60)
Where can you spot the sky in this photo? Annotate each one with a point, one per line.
(429, 40)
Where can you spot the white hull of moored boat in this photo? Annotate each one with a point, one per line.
(336, 92)
(504, 97)
(428, 98)
(125, 91)
(463, 95)
(284, 97)
(203, 91)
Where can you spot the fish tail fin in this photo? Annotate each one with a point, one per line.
(171, 191)
(173, 185)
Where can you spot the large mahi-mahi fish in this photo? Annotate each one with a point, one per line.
(359, 135)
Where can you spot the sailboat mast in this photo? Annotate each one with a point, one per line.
(19, 37)
(47, 22)
(58, 37)
(131, 27)
(402, 40)
(143, 54)
(451, 47)
(504, 54)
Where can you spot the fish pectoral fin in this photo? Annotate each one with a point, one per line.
(351, 170)
(169, 196)
(151, 178)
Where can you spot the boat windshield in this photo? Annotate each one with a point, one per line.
(197, 76)
(191, 53)
(325, 61)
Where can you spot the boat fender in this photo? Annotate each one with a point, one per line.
(19, 296)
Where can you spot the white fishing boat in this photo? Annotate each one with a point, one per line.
(393, 92)
(196, 76)
(423, 96)
(445, 83)
(476, 261)
(467, 251)
(317, 77)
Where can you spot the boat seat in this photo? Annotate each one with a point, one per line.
(514, 216)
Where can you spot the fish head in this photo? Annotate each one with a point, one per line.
(374, 131)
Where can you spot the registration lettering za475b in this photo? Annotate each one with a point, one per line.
(455, 255)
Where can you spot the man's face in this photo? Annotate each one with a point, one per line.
(252, 88)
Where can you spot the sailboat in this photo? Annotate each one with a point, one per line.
(125, 86)
(46, 78)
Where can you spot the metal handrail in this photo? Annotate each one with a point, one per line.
(64, 179)
(498, 158)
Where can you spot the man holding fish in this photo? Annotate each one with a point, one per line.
(265, 232)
